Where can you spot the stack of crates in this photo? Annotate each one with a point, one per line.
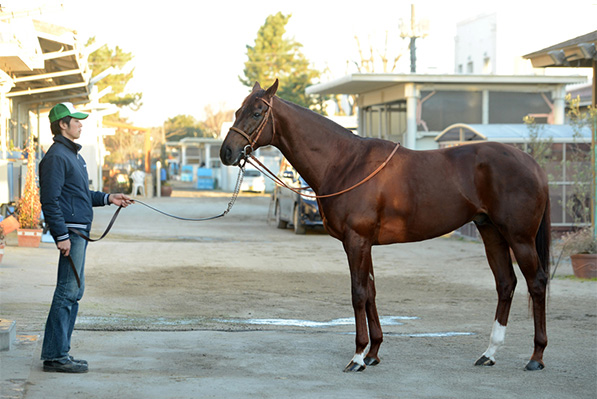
(205, 180)
(186, 173)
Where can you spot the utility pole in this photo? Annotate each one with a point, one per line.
(413, 31)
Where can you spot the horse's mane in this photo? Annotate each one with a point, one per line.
(329, 126)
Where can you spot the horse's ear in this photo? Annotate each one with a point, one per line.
(272, 90)
(256, 86)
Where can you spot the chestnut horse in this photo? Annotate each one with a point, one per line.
(417, 195)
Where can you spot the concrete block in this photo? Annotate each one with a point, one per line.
(8, 334)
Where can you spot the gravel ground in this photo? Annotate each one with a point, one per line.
(237, 308)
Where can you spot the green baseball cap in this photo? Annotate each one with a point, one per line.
(65, 109)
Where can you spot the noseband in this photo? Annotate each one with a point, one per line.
(257, 132)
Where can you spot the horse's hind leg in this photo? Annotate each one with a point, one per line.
(498, 256)
(536, 278)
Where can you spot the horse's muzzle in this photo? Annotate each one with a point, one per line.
(230, 157)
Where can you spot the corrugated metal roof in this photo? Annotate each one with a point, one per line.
(509, 133)
(590, 37)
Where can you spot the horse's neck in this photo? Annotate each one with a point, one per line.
(311, 143)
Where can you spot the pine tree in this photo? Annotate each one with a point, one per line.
(274, 56)
(104, 58)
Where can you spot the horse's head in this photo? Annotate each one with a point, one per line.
(253, 125)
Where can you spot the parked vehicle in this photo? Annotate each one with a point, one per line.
(294, 209)
(253, 180)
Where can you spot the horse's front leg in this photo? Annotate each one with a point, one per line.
(375, 333)
(358, 252)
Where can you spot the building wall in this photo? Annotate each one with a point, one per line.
(490, 44)
(476, 46)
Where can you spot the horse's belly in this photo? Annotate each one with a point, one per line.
(392, 235)
(423, 225)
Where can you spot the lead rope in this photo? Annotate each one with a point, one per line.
(263, 169)
(239, 181)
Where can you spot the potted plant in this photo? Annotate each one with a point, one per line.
(581, 246)
(29, 206)
(165, 189)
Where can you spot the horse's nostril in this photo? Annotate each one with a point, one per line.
(225, 153)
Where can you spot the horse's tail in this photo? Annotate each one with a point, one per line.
(543, 239)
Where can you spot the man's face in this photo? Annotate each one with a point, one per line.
(72, 131)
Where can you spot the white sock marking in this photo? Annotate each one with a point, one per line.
(359, 358)
(498, 335)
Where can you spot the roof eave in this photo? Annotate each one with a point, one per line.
(363, 83)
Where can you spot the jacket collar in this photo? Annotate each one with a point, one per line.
(74, 147)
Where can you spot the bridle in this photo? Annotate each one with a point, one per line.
(257, 132)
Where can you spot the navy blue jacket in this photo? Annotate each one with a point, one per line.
(66, 199)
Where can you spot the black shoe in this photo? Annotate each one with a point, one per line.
(72, 359)
(67, 367)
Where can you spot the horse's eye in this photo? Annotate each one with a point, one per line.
(256, 115)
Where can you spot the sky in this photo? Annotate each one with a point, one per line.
(189, 54)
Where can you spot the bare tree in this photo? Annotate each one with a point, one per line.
(367, 63)
(215, 118)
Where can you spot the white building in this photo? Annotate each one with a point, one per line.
(487, 44)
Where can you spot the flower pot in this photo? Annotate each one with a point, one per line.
(29, 237)
(9, 224)
(166, 191)
(584, 265)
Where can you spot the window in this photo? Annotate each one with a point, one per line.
(512, 107)
(487, 65)
(447, 107)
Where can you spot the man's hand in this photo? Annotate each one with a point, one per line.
(120, 200)
(64, 247)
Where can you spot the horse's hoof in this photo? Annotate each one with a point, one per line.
(484, 361)
(353, 366)
(534, 365)
(372, 361)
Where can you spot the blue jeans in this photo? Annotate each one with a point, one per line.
(65, 304)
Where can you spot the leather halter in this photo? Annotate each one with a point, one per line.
(257, 132)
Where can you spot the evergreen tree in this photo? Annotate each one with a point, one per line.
(124, 145)
(274, 56)
(181, 126)
(104, 58)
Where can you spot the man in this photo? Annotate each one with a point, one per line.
(67, 204)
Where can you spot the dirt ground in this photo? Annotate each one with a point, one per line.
(266, 310)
